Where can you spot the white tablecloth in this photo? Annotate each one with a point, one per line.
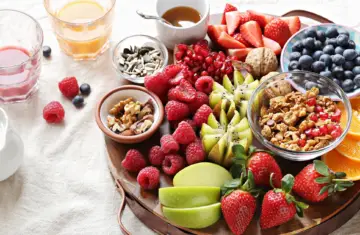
(64, 186)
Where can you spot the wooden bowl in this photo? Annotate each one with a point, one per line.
(121, 93)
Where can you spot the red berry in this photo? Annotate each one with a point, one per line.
(218, 64)
(175, 124)
(149, 178)
(308, 133)
(157, 83)
(187, 59)
(323, 130)
(301, 142)
(172, 164)
(323, 115)
(313, 117)
(204, 84)
(184, 133)
(53, 112)
(182, 47)
(172, 70)
(311, 101)
(336, 116)
(197, 49)
(172, 94)
(185, 91)
(156, 156)
(189, 53)
(69, 87)
(222, 55)
(203, 43)
(176, 110)
(134, 161)
(204, 52)
(315, 132)
(200, 58)
(195, 152)
(179, 55)
(318, 109)
(201, 98)
(209, 60)
(202, 114)
(168, 144)
(204, 73)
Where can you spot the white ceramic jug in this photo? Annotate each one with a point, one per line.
(11, 148)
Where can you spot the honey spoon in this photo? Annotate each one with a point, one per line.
(150, 17)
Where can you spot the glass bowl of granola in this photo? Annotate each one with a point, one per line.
(297, 115)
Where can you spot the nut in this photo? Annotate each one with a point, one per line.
(262, 60)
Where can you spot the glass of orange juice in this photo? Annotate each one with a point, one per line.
(82, 27)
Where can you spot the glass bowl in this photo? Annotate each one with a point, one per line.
(299, 81)
(138, 41)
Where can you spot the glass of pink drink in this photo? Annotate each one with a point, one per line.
(21, 43)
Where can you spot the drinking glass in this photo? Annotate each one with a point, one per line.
(82, 27)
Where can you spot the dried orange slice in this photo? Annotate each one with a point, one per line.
(339, 163)
(350, 148)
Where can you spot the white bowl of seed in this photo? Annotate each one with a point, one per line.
(137, 56)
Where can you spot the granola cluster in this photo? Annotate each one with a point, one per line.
(129, 117)
(300, 122)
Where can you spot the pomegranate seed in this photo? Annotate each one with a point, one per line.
(337, 127)
(204, 73)
(209, 60)
(222, 55)
(336, 133)
(182, 47)
(195, 69)
(179, 55)
(318, 109)
(323, 130)
(211, 69)
(330, 127)
(311, 101)
(323, 115)
(200, 58)
(308, 132)
(313, 117)
(204, 52)
(197, 49)
(189, 53)
(229, 70)
(222, 70)
(218, 64)
(315, 132)
(196, 76)
(203, 43)
(336, 116)
(187, 59)
(301, 142)
(218, 72)
(233, 58)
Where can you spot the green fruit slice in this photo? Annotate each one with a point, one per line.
(248, 78)
(198, 217)
(209, 141)
(223, 119)
(243, 108)
(215, 97)
(227, 84)
(242, 125)
(216, 154)
(218, 87)
(212, 122)
(246, 134)
(238, 78)
(231, 110)
(188, 197)
(235, 119)
(229, 154)
(242, 94)
(208, 130)
(251, 86)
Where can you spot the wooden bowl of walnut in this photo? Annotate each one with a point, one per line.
(129, 114)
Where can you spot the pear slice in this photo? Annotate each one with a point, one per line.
(215, 97)
(246, 134)
(209, 141)
(229, 154)
(223, 119)
(238, 78)
(243, 108)
(208, 130)
(240, 94)
(231, 110)
(251, 86)
(218, 87)
(242, 125)
(248, 78)
(216, 154)
(212, 122)
(235, 119)
(227, 84)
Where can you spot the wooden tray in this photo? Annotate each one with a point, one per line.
(320, 218)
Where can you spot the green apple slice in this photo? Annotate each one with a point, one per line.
(218, 87)
(198, 217)
(248, 78)
(202, 174)
(227, 84)
(208, 130)
(209, 141)
(188, 197)
(216, 154)
(238, 78)
(242, 125)
(243, 108)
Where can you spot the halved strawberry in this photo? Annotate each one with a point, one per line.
(214, 31)
(251, 32)
(228, 8)
(228, 42)
(269, 43)
(278, 31)
(239, 53)
(239, 38)
(293, 22)
(234, 19)
(262, 19)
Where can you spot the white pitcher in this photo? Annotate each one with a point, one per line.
(11, 148)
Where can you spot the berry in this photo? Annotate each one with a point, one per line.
(182, 47)
(46, 51)
(338, 59)
(176, 110)
(251, 32)
(317, 54)
(348, 85)
(185, 92)
(305, 61)
(156, 156)
(351, 44)
(311, 32)
(172, 164)
(342, 40)
(204, 84)
(349, 75)
(315, 132)
(201, 98)
(228, 8)
(357, 80)
(329, 49)
(261, 19)
(278, 31)
(172, 94)
(320, 35)
(202, 114)
(195, 152)
(157, 83)
(313, 117)
(78, 101)
(85, 89)
(356, 70)
(168, 144)
(318, 66)
(298, 46)
(326, 59)
(339, 50)
(331, 41)
(350, 54)
(293, 65)
(348, 65)
(326, 74)
(318, 45)
(149, 178)
(134, 161)
(184, 133)
(69, 87)
(172, 70)
(331, 32)
(330, 127)
(336, 133)
(293, 22)
(53, 112)
(295, 55)
(309, 43)
(311, 101)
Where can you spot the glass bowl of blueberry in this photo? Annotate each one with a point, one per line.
(331, 50)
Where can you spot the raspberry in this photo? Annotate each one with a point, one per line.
(202, 114)
(201, 98)
(53, 112)
(185, 92)
(172, 94)
(172, 164)
(184, 133)
(157, 83)
(204, 84)
(156, 156)
(168, 144)
(134, 161)
(195, 152)
(172, 70)
(69, 87)
(176, 110)
(174, 124)
(149, 178)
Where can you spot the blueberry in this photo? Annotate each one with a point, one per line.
(295, 55)
(338, 72)
(305, 61)
(318, 66)
(338, 59)
(309, 43)
(329, 49)
(306, 52)
(357, 80)
(337, 81)
(348, 65)
(78, 101)
(342, 40)
(347, 85)
(356, 70)
(85, 89)
(320, 35)
(339, 50)
(311, 32)
(326, 74)
(326, 59)
(318, 45)
(46, 51)
(298, 46)
(351, 44)
(331, 32)
(357, 60)
(317, 54)
(310, 85)
(293, 65)
(332, 41)
(348, 75)
(350, 54)
(344, 32)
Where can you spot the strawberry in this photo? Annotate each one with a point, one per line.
(251, 32)
(228, 42)
(234, 19)
(239, 53)
(279, 206)
(316, 182)
(228, 8)
(214, 31)
(262, 19)
(293, 22)
(269, 43)
(278, 31)
(239, 38)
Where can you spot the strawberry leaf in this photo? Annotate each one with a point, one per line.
(346, 184)
(299, 211)
(324, 189)
(340, 175)
(323, 180)
(236, 170)
(287, 182)
(321, 168)
(239, 152)
(235, 183)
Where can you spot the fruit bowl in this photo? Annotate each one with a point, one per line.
(301, 36)
(295, 81)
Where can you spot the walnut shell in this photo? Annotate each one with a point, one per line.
(263, 61)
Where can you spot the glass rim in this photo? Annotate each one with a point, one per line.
(37, 50)
(46, 5)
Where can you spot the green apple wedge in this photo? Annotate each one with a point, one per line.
(202, 174)
(197, 217)
(188, 197)
(216, 154)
